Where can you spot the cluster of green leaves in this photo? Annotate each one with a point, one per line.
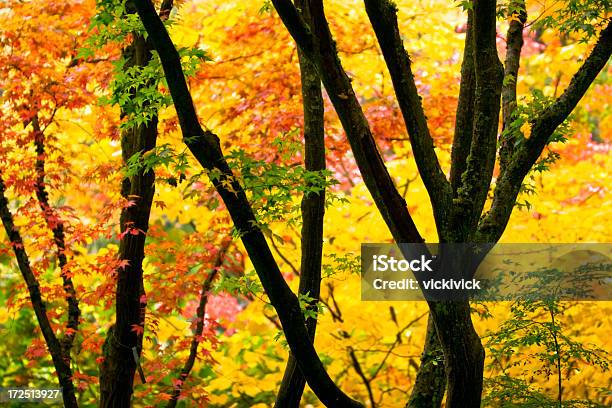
(341, 263)
(525, 113)
(162, 155)
(311, 308)
(113, 23)
(247, 285)
(527, 189)
(135, 88)
(511, 8)
(273, 189)
(536, 332)
(579, 17)
(507, 391)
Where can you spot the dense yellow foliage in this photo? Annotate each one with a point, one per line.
(249, 94)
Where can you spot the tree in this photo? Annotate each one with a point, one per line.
(205, 147)
(457, 204)
(124, 339)
(177, 256)
(458, 208)
(313, 209)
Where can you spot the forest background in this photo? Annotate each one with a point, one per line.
(60, 115)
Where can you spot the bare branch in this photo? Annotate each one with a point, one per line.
(282, 256)
(366, 382)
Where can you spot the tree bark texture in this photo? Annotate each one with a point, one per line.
(119, 366)
(313, 211)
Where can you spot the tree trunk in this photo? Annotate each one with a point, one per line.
(117, 370)
(60, 362)
(463, 353)
(430, 383)
(313, 210)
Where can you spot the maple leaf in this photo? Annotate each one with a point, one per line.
(123, 263)
(138, 329)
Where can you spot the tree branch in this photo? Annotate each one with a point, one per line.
(118, 369)
(62, 366)
(200, 315)
(282, 256)
(464, 117)
(383, 17)
(542, 127)
(313, 212)
(488, 69)
(56, 225)
(361, 374)
(514, 44)
(206, 148)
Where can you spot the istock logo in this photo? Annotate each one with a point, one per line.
(384, 263)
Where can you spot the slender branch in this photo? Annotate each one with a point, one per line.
(282, 256)
(476, 179)
(542, 127)
(206, 148)
(274, 321)
(464, 117)
(558, 360)
(332, 306)
(56, 225)
(398, 340)
(62, 366)
(383, 17)
(514, 44)
(313, 212)
(200, 321)
(361, 374)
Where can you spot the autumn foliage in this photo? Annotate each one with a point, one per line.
(210, 336)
